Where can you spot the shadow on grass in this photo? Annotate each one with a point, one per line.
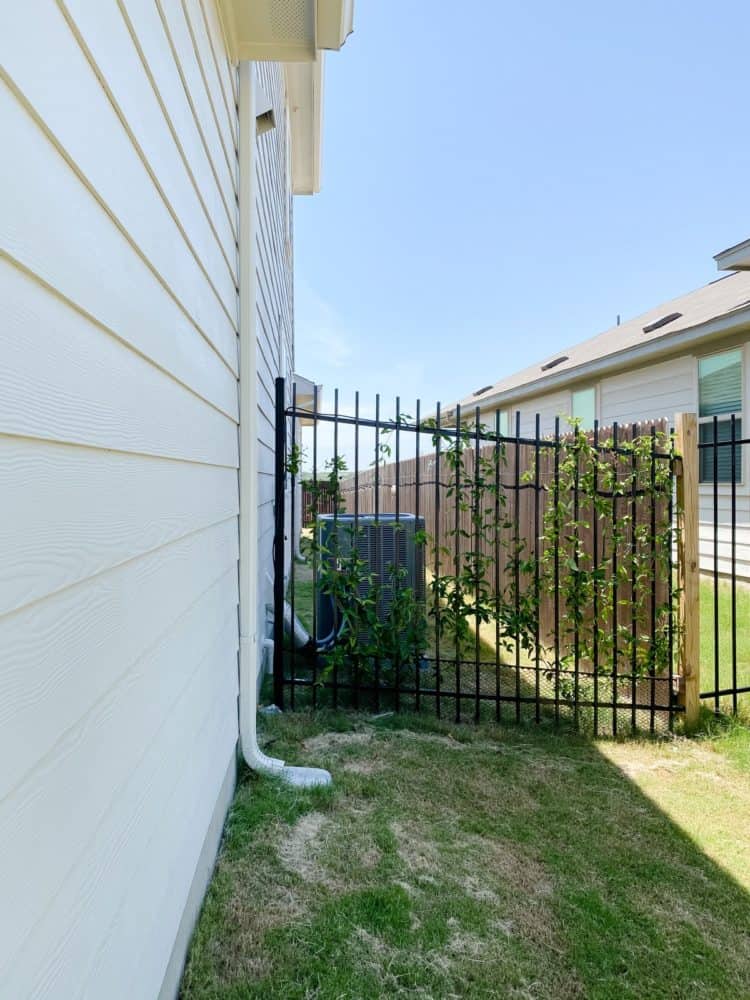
(482, 861)
(476, 682)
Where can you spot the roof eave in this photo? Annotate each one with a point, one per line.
(719, 326)
(255, 32)
(736, 258)
(254, 29)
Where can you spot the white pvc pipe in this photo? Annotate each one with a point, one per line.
(248, 449)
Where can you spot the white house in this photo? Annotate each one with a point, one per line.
(691, 354)
(150, 152)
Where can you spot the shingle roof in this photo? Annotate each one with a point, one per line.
(716, 299)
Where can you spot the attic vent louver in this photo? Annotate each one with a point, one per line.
(555, 363)
(482, 390)
(670, 318)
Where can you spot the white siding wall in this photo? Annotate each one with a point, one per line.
(275, 306)
(549, 406)
(118, 482)
(649, 393)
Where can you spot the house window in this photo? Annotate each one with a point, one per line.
(583, 407)
(504, 423)
(720, 395)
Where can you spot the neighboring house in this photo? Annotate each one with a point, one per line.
(691, 354)
(146, 283)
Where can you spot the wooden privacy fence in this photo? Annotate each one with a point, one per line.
(552, 583)
(317, 498)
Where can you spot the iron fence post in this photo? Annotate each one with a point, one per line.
(278, 543)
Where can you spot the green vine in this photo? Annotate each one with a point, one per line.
(606, 597)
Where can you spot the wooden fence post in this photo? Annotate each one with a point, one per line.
(688, 569)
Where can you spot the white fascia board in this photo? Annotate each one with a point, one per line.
(307, 399)
(305, 387)
(304, 84)
(736, 258)
(334, 22)
(633, 357)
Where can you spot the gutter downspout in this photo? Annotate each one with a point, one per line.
(248, 446)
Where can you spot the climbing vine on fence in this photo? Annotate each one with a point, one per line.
(603, 556)
(616, 599)
(468, 592)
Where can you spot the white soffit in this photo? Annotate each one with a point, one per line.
(304, 84)
(285, 30)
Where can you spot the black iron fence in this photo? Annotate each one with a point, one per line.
(473, 573)
(725, 564)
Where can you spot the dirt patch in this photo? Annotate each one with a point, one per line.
(331, 741)
(299, 848)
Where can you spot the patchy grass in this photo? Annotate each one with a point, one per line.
(452, 861)
(708, 633)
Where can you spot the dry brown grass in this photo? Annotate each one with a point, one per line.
(464, 862)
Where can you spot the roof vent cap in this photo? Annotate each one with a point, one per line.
(669, 318)
(555, 362)
(481, 391)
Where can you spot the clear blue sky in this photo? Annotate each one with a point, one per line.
(501, 184)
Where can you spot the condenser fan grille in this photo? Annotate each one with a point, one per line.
(381, 544)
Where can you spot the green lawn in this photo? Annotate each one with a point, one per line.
(708, 633)
(520, 862)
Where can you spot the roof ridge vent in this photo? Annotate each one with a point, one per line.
(669, 318)
(554, 363)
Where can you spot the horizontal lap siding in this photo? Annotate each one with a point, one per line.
(666, 389)
(723, 552)
(649, 393)
(274, 315)
(549, 407)
(118, 479)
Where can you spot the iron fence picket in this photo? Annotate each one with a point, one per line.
(726, 687)
(496, 548)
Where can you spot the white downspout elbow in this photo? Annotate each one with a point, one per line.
(248, 446)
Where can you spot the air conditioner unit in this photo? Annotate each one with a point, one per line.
(380, 542)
